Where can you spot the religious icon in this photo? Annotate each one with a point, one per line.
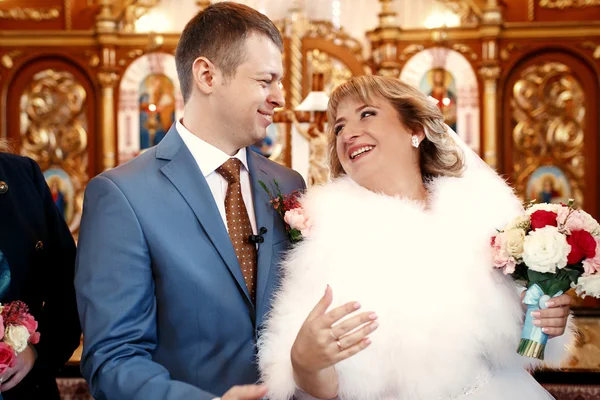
(548, 184)
(157, 109)
(62, 192)
(439, 84)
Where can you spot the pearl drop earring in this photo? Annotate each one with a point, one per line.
(415, 141)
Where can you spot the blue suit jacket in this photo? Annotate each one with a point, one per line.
(161, 297)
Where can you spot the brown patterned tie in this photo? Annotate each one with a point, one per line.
(238, 223)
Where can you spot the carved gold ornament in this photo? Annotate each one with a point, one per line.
(548, 107)
(562, 4)
(54, 129)
(35, 14)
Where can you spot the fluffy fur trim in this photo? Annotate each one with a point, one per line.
(445, 315)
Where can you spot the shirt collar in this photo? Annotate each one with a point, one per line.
(208, 157)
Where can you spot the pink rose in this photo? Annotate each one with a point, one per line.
(1, 327)
(34, 338)
(296, 219)
(7, 357)
(502, 259)
(575, 221)
(592, 265)
(29, 322)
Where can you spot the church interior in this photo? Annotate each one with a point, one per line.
(87, 85)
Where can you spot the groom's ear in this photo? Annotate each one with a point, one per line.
(204, 73)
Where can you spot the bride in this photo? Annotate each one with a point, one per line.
(403, 232)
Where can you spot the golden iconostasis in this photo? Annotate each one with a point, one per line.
(89, 84)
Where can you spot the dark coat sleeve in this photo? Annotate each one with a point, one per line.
(59, 326)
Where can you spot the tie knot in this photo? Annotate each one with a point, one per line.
(230, 170)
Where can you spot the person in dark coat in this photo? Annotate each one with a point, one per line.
(37, 259)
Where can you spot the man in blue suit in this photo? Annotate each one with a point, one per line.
(166, 309)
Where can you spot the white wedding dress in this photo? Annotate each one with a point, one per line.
(449, 324)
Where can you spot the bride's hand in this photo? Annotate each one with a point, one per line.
(323, 341)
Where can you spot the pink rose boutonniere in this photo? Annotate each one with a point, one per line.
(297, 224)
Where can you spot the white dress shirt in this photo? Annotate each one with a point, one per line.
(209, 158)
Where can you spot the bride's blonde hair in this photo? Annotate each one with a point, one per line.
(439, 154)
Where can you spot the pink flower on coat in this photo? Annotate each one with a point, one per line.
(296, 219)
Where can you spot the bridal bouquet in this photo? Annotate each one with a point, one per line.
(297, 224)
(552, 247)
(18, 328)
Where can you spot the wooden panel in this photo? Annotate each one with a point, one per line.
(523, 10)
(35, 15)
(25, 75)
(588, 81)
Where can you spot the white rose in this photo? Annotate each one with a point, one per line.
(545, 250)
(544, 207)
(519, 222)
(16, 336)
(513, 242)
(588, 285)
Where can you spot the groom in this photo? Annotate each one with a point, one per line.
(178, 248)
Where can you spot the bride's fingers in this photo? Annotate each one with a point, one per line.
(349, 352)
(338, 313)
(551, 322)
(358, 335)
(350, 324)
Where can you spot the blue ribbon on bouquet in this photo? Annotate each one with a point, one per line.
(535, 299)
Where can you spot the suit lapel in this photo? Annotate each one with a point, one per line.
(183, 172)
(264, 213)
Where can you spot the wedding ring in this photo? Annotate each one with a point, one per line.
(332, 335)
(339, 345)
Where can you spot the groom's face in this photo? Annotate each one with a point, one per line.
(245, 103)
(373, 146)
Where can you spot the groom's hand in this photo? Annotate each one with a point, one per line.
(246, 392)
(323, 341)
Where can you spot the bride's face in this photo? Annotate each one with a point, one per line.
(373, 146)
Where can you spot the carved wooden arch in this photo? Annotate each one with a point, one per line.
(21, 76)
(61, 118)
(354, 62)
(469, 113)
(586, 74)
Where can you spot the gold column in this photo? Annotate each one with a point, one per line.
(490, 72)
(490, 75)
(384, 40)
(108, 81)
(298, 29)
(106, 28)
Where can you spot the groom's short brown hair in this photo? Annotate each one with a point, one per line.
(219, 33)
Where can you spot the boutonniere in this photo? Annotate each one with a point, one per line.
(288, 206)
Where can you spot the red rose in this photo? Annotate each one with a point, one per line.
(542, 218)
(583, 245)
(7, 357)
